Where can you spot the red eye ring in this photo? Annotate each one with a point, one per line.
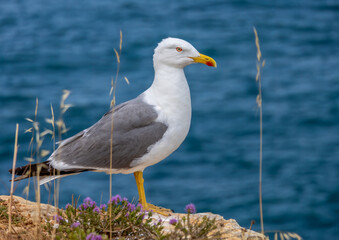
(179, 49)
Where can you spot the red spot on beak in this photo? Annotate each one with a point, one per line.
(209, 64)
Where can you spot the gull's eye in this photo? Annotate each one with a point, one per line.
(179, 49)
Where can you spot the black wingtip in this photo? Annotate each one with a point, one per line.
(30, 170)
(44, 169)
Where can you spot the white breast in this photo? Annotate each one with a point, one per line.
(170, 95)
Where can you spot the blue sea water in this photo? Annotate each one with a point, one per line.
(48, 46)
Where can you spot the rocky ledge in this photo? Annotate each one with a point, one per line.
(24, 219)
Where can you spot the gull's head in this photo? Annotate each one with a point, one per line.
(178, 53)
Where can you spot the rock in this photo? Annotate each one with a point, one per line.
(27, 208)
(229, 229)
(24, 218)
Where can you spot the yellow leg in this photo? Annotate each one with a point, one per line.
(142, 197)
(140, 184)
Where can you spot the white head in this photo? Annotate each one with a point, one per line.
(178, 53)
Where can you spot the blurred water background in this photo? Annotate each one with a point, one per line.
(48, 46)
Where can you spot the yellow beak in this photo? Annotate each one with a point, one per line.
(205, 60)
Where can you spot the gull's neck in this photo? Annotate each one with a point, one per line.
(169, 87)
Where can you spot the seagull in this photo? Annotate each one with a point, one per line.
(146, 129)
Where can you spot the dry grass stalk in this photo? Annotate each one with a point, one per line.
(285, 235)
(31, 144)
(12, 183)
(52, 133)
(260, 65)
(62, 129)
(112, 105)
(52, 121)
(35, 155)
(259, 102)
(38, 143)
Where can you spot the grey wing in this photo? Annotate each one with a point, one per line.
(134, 130)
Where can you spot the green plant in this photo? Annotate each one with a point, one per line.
(3, 212)
(125, 220)
(121, 219)
(15, 218)
(186, 228)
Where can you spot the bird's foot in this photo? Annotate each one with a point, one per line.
(160, 210)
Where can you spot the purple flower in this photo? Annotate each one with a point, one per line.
(96, 209)
(150, 212)
(58, 218)
(75, 225)
(89, 202)
(88, 199)
(173, 221)
(93, 236)
(68, 205)
(140, 206)
(103, 206)
(130, 207)
(190, 208)
(83, 206)
(127, 214)
(125, 199)
(115, 199)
